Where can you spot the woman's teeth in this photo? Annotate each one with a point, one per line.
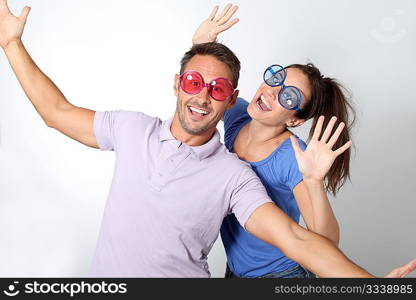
(263, 104)
(264, 100)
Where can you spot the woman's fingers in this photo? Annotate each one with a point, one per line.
(336, 134)
(228, 15)
(342, 149)
(318, 129)
(228, 25)
(328, 129)
(295, 146)
(25, 13)
(223, 12)
(3, 5)
(213, 13)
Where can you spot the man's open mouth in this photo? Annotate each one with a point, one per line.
(197, 113)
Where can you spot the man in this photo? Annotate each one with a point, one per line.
(174, 181)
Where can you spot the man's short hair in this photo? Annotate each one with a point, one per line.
(220, 52)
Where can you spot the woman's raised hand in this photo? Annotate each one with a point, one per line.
(11, 27)
(315, 162)
(215, 24)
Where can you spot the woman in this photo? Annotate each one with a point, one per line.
(258, 132)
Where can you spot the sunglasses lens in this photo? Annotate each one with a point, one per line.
(191, 82)
(221, 89)
(274, 75)
(290, 98)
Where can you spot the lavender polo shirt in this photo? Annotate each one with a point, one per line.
(167, 200)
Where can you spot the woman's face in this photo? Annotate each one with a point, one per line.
(265, 107)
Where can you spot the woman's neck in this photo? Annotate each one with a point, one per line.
(257, 133)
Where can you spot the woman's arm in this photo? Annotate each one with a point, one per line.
(310, 194)
(311, 250)
(316, 210)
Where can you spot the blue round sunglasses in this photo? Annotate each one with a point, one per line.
(290, 97)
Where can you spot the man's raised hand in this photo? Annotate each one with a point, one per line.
(11, 27)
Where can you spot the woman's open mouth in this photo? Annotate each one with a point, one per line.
(263, 104)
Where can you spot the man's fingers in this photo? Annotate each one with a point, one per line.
(344, 148)
(25, 13)
(336, 134)
(328, 129)
(213, 13)
(403, 270)
(228, 25)
(224, 11)
(408, 268)
(318, 128)
(228, 15)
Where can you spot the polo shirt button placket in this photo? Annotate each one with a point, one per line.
(166, 168)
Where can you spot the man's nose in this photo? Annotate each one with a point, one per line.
(204, 95)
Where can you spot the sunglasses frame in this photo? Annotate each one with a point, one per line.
(209, 86)
(284, 87)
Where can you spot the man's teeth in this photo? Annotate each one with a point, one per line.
(264, 100)
(200, 111)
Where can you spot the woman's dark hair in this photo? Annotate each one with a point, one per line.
(329, 99)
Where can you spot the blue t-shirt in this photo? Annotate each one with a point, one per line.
(247, 255)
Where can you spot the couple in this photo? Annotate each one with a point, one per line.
(174, 182)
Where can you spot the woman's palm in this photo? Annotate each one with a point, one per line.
(317, 159)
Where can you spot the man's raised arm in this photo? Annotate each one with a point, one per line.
(48, 100)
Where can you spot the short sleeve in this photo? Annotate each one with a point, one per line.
(247, 196)
(109, 126)
(237, 111)
(105, 128)
(292, 174)
(234, 118)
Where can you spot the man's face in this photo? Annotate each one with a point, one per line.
(199, 113)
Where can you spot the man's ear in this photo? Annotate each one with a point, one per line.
(176, 85)
(233, 99)
(295, 122)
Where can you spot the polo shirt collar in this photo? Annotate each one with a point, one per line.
(202, 151)
(165, 133)
(209, 147)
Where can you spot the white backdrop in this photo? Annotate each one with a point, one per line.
(102, 53)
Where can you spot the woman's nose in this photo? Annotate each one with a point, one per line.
(272, 91)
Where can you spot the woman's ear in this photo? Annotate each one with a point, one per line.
(176, 85)
(295, 122)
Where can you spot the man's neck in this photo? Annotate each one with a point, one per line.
(190, 139)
